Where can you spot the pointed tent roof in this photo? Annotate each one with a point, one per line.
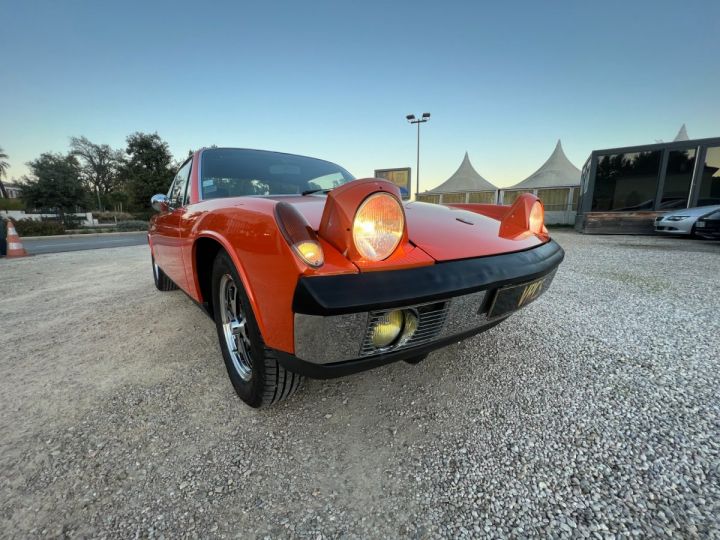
(555, 172)
(466, 178)
(682, 134)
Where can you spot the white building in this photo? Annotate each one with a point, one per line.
(556, 183)
(682, 135)
(12, 190)
(465, 185)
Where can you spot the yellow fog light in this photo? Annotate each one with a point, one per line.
(409, 328)
(387, 329)
(311, 252)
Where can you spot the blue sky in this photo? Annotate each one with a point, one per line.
(335, 79)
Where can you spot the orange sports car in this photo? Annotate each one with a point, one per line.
(307, 271)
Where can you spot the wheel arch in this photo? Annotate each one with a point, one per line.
(205, 249)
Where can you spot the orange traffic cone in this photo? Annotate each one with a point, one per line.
(14, 245)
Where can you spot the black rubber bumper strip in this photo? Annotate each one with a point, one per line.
(348, 293)
(348, 367)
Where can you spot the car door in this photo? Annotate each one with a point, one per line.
(167, 241)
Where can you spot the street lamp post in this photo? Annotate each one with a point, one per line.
(424, 118)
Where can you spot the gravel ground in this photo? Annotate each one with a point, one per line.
(595, 412)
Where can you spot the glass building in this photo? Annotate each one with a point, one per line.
(644, 181)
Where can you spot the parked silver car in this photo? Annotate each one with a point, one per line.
(682, 222)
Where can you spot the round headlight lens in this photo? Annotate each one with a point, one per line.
(537, 218)
(378, 226)
(387, 329)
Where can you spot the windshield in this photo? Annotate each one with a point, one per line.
(232, 172)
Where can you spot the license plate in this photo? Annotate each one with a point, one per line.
(514, 297)
(700, 224)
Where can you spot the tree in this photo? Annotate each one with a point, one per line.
(55, 183)
(148, 167)
(99, 165)
(4, 166)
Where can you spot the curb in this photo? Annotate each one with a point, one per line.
(89, 235)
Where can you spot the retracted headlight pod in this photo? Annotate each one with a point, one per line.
(536, 220)
(365, 221)
(525, 216)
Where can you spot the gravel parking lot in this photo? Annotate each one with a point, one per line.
(594, 412)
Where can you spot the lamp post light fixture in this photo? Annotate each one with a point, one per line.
(411, 119)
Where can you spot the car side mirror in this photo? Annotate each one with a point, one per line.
(160, 202)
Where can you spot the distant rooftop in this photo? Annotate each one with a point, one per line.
(555, 172)
(466, 178)
(682, 135)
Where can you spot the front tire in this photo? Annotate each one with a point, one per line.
(255, 373)
(162, 282)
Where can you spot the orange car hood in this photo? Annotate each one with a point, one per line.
(442, 232)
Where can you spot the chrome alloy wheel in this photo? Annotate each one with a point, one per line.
(156, 271)
(234, 324)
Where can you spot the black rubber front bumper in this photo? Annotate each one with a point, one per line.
(372, 291)
(711, 228)
(349, 293)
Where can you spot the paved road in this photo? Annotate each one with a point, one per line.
(36, 246)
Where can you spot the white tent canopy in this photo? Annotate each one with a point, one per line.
(557, 171)
(682, 135)
(465, 179)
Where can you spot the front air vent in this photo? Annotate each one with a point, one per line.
(430, 321)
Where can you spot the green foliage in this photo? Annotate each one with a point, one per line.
(99, 164)
(119, 198)
(31, 227)
(112, 217)
(4, 166)
(12, 204)
(55, 183)
(144, 215)
(123, 180)
(133, 225)
(71, 221)
(147, 169)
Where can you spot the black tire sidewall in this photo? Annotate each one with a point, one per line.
(251, 392)
(155, 273)
(162, 282)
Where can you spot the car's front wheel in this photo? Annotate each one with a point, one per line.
(162, 282)
(255, 373)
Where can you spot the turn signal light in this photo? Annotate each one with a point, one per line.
(299, 234)
(311, 252)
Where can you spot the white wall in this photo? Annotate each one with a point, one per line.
(562, 217)
(553, 217)
(87, 217)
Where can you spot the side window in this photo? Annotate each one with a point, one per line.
(179, 186)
